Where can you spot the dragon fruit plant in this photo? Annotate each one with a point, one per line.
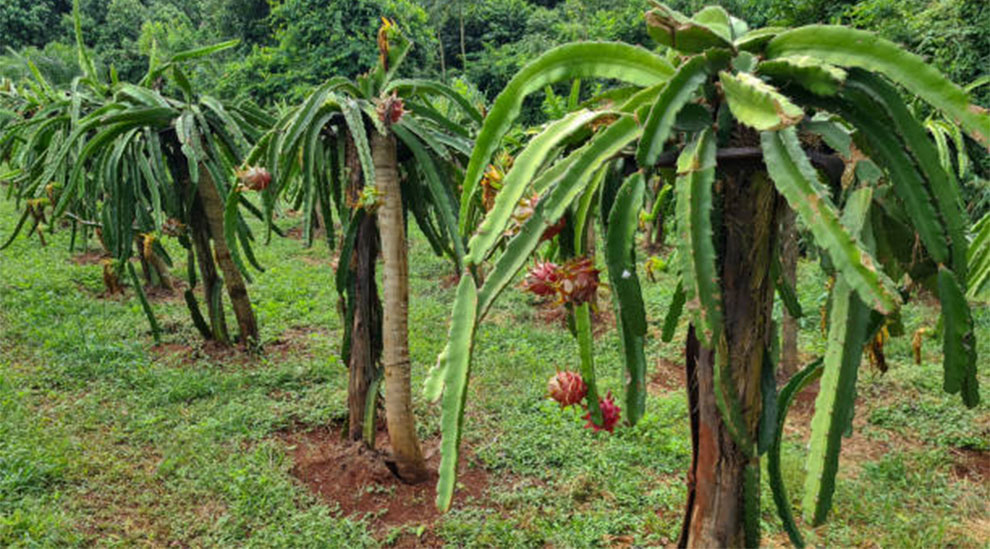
(756, 123)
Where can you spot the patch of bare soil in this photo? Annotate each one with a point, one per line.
(856, 449)
(295, 233)
(292, 342)
(361, 482)
(89, 257)
(668, 376)
(602, 319)
(971, 464)
(159, 294)
(321, 260)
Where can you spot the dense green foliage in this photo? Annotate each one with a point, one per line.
(551, 108)
(294, 43)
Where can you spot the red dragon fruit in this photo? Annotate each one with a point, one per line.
(567, 388)
(255, 178)
(578, 281)
(390, 109)
(542, 279)
(610, 415)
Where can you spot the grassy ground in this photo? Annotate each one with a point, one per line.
(105, 441)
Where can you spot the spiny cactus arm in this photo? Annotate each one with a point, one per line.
(708, 29)
(441, 199)
(582, 325)
(727, 399)
(314, 181)
(454, 368)
(978, 258)
(696, 252)
(524, 168)
(623, 62)
(673, 313)
(784, 289)
(356, 128)
(86, 64)
(301, 121)
(819, 78)
(676, 93)
(16, 231)
(620, 257)
(572, 182)
(941, 184)
(959, 341)
(848, 47)
(156, 331)
(757, 104)
(796, 179)
(231, 217)
(795, 385)
(413, 87)
(847, 332)
(888, 151)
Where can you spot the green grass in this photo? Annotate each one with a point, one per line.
(106, 442)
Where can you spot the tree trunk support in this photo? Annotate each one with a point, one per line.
(213, 207)
(718, 499)
(409, 462)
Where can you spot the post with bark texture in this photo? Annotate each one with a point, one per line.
(364, 350)
(715, 509)
(200, 233)
(213, 207)
(410, 465)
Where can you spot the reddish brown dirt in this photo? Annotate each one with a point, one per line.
(551, 314)
(292, 342)
(971, 464)
(359, 480)
(157, 294)
(90, 257)
(295, 233)
(668, 376)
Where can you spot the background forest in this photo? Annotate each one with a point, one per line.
(286, 46)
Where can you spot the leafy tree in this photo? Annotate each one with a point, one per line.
(30, 22)
(318, 40)
(245, 20)
(355, 145)
(754, 122)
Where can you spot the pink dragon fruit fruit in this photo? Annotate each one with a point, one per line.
(567, 388)
(578, 281)
(542, 279)
(255, 178)
(390, 109)
(610, 415)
